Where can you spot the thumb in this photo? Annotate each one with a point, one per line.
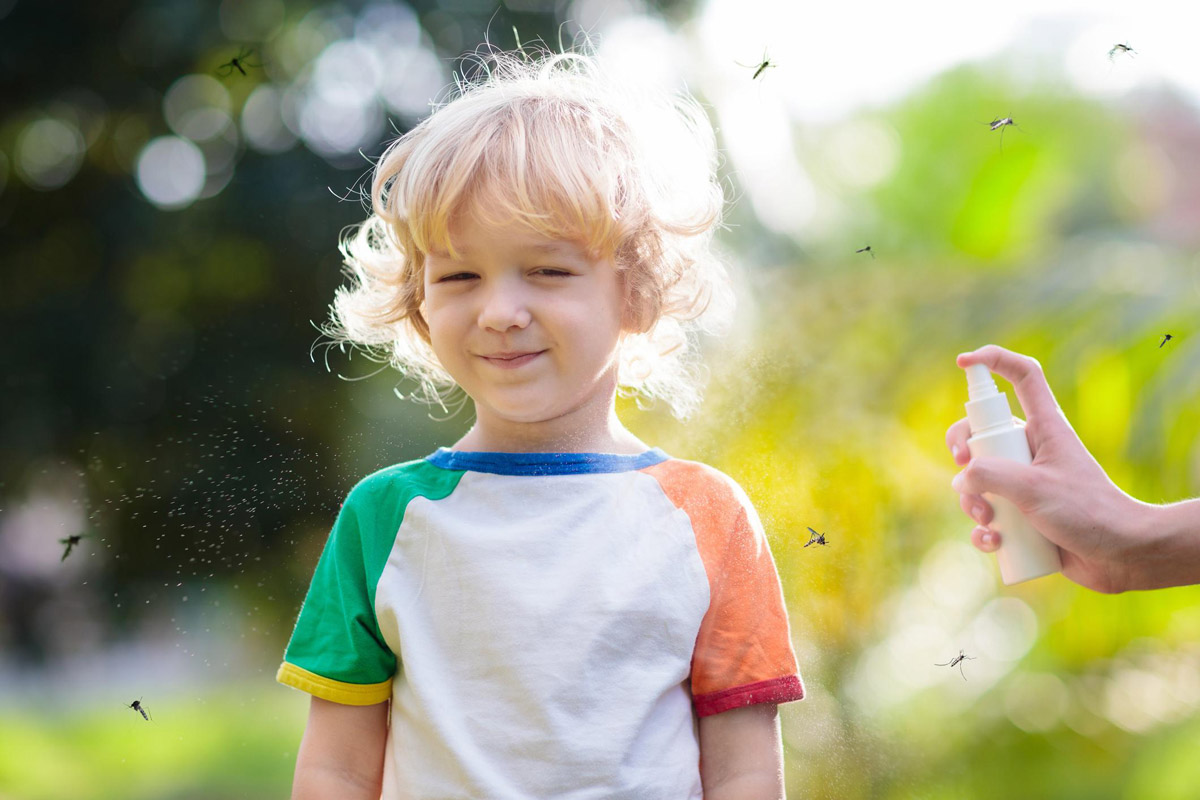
(1009, 479)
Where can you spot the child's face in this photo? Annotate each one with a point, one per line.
(527, 325)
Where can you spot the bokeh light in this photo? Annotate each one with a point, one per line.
(862, 153)
(49, 152)
(347, 74)
(412, 77)
(171, 172)
(1005, 629)
(1036, 701)
(262, 121)
(198, 107)
(334, 126)
(388, 26)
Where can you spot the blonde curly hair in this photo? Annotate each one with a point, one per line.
(548, 140)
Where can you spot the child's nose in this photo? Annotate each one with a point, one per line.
(505, 307)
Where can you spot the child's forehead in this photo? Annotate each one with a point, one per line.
(470, 237)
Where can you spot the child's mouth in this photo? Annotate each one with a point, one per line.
(511, 360)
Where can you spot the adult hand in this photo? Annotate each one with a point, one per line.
(1064, 493)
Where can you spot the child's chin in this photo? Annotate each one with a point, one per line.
(526, 415)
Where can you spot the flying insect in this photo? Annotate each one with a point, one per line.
(1121, 49)
(957, 661)
(758, 68)
(70, 542)
(237, 62)
(137, 706)
(999, 124)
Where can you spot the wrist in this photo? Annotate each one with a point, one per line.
(1165, 541)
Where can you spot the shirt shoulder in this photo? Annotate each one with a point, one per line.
(695, 486)
(402, 482)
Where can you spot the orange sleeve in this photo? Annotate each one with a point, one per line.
(743, 652)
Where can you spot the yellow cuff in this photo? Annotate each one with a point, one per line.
(350, 694)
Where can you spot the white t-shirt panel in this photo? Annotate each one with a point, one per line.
(544, 627)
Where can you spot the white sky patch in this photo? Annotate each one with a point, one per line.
(758, 138)
(833, 58)
(640, 49)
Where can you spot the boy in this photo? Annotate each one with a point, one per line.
(550, 607)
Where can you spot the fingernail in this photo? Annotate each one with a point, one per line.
(954, 452)
(988, 538)
(956, 484)
(977, 513)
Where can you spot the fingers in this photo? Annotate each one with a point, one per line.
(977, 508)
(956, 441)
(1023, 372)
(1009, 479)
(986, 540)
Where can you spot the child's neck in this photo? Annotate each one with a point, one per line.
(562, 435)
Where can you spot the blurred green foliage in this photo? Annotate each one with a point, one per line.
(831, 408)
(225, 744)
(172, 368)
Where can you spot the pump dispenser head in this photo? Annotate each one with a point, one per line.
(979, 382)
(987, 407)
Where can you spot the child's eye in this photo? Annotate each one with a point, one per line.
(553, 272)
(456, 276)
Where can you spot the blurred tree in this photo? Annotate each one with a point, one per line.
(165, 354)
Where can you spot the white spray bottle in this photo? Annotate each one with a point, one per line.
(1024, 553)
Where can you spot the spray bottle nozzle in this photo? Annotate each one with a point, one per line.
(987, 408)
(979, 382)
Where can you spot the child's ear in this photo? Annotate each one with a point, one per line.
(641, 310)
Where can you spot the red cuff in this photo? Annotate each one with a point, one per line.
(776, 690)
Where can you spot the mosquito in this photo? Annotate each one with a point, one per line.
(1121, 49)
(237, 62)
(867, 250)
(758, 68)
(957, 661)
(137, 706)
(999, 124)
(1166, 338)
(816, 538)
(70, 542)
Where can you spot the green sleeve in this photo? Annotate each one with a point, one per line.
(337, 651)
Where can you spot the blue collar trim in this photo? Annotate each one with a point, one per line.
(544, 463)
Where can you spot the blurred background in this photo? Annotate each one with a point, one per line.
(168, 228)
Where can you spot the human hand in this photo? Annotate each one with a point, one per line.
(1064, 493)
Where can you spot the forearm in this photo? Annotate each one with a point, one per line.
(758, 786)
(319, 782)
(341, 754)
(1172, 552)
(741, 754)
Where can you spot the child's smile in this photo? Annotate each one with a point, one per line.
(511, 360)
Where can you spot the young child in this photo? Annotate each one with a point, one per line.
(550, 607)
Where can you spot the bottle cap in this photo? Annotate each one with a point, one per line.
(988, 406)
(979, 382)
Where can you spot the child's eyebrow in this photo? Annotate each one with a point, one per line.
(552, 248)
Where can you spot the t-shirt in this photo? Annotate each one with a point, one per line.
(545, 624)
